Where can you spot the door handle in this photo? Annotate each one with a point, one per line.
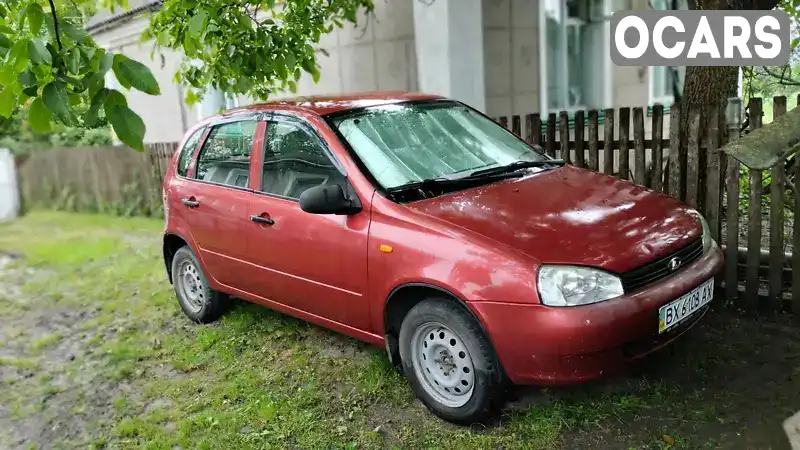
(190, 202)
(262, 220)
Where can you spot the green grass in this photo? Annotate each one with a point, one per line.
(256, 378)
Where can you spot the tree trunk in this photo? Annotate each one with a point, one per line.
(703, 89)
(707, 86)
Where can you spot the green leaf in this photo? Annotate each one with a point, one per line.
(293, 87)
(114, 98)
(5, 42)
(39, 116)
(7, 99)
(270, 4)
(197, 23)
(128, 127)
(135, 74)
(74, 61)
(19, 54)
(106, 63)
(98, 101)
(315, 74)
(38, 52)
(74, 33)
(57, 101)
(31, 91)
(35, 17)
(27, 78)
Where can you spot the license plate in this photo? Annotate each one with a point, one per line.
(673, 313)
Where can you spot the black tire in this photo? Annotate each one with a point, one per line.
(489, 383)
(210, 305)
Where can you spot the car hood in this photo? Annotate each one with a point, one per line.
(571, 216)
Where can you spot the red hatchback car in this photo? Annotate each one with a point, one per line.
(416, 223)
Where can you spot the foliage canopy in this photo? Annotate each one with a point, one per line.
(51, 67)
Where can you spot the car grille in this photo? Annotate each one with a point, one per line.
(656, 270)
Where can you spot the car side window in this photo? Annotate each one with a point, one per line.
(187, 151)
(295, 160)
(225, 156)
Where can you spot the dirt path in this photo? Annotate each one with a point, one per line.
(53, 390)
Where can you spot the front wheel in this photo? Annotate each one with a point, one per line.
(450, 362)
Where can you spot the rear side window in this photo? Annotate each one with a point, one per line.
(225, 157)
(187, 151)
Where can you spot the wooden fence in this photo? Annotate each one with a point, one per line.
(755, 229)
(101, 179)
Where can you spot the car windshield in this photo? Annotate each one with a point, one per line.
(411, 142)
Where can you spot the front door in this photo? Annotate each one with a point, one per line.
(216, 199)
(314, 263)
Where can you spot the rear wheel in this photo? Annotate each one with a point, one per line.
(198, 301)
(450, 362)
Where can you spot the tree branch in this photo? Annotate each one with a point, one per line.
(781, 80)
(55, 23)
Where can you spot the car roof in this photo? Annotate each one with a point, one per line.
(324, 105)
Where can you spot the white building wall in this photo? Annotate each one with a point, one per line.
(376, 54)
(511, 54)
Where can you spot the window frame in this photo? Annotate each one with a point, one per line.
(282, 116)
(191, 174)
(567, 21)
(666, 99)
(203, 130)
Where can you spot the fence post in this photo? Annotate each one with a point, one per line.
(516, 125)
(733, 117)
(638, 147)
(714, 169)
(550, 140)
(608, 142)
(563, 126)
(776, 210)
(579, 124)
(658, 133)
(693, 159)
(624, 141)
(753, 220)
(593, 138)
(674, 181)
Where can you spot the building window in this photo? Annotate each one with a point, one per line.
(572, 42)
(662, 78)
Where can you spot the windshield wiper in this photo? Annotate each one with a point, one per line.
(515, 166)
(422, 184)
(429, 183)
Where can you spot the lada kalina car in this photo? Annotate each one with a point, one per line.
(416, 223)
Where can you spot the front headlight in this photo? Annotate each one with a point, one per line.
(575, 286)
(706, 230)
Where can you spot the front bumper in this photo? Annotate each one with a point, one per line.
(543, 345)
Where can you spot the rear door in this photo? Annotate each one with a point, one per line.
(215, 198)
(314, 263)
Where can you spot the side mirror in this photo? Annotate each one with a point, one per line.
(328, 199)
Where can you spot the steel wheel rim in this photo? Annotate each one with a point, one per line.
(191, 286)
(443, 364)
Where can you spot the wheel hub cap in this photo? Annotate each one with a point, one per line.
(191, 285)
(443, 364)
